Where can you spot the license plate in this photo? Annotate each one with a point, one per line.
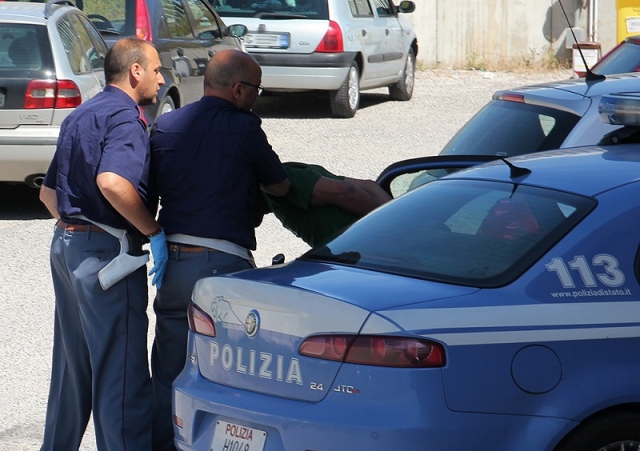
(267, 40)
(233, 437)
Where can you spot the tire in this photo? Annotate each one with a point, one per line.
(617, 432)
(166, 106)
(403, 90)
(346, 100)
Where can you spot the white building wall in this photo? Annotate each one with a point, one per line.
(504, 33)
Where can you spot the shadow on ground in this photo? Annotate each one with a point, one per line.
(20, 202)
(313, 105)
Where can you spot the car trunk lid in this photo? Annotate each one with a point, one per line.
(12, 99)
(274, 34)
(260, 325)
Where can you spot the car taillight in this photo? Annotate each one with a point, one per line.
(52, 94)
(200, 321)
(513, 98)
(332, 40)
(143, 23)
(399, 352)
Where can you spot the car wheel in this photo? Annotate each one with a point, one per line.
(403, 90)
(620, 432)
(167, 105)
(345, 101)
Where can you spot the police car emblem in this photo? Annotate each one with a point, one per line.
(252, 323)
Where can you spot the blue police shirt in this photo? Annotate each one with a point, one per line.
(104, 134)
(209, 159)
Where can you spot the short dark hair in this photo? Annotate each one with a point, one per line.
(122, 55)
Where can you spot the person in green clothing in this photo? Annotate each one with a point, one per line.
(320, 203)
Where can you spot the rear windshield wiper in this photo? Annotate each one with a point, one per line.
(280, 16)
(110, 32)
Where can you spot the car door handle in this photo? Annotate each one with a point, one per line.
(386, 32)
(364, 32)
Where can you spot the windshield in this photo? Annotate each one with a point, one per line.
(466, 232)
(624, 58)
(506, 128)
(273, 9)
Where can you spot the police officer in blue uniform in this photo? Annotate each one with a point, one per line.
(98, 186)
(210, 158)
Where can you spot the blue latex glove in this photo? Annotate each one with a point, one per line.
(160, 254)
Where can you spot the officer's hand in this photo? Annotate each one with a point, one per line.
(160, 255)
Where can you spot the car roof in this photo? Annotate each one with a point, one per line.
(570, 92)
(582, 170)
(28, 12)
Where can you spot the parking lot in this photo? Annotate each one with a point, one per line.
(300, 129)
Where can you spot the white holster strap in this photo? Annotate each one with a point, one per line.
(212, 243)
(123, 264)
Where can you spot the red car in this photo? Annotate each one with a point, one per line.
(625, 57)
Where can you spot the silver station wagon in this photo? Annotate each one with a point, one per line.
(51, 60)
(338, 46)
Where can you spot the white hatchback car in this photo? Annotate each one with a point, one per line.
(51, 60)
(339, 46)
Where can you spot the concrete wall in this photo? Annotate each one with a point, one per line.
(494, 34)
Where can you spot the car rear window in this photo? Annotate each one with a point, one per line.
(507, 128)
(466, 232)
(273, 9)
(22, 47)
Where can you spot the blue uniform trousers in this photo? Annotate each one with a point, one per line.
(170, 345)
(100, 354)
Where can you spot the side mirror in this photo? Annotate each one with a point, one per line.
(406, 7)
(236, 30)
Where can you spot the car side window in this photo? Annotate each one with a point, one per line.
(177, 19)
(116, 15)
(383, 8)
(360, 8)
(74, 45)
(94, 47)
(206, 26)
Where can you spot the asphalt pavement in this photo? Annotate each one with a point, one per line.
(300, 129)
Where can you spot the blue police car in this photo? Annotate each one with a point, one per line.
(496, 308)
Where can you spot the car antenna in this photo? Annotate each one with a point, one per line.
(516, 171)
(589, 76)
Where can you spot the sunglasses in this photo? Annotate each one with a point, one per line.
(258, 88)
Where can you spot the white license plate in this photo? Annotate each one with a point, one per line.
(267, 40)
(233, 437)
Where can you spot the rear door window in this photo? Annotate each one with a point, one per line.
(205, 23)
(115, 16)
(74, 45)
(360, 8)
(97, 48)
(177, 19)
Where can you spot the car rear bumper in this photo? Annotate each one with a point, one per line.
(302, 72)
(26, 152)
(361, 417)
